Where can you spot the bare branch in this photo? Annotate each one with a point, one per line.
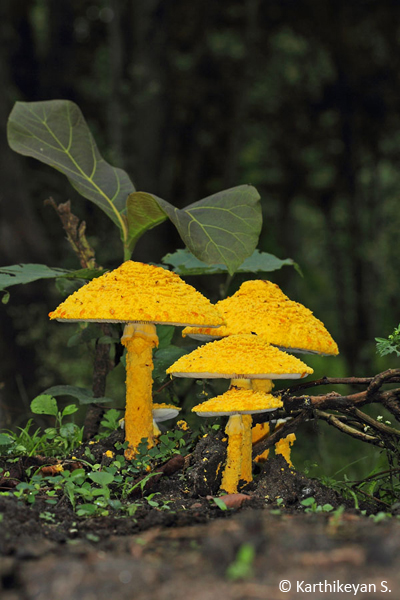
(358, 435)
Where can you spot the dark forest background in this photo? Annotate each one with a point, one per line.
(300, 98)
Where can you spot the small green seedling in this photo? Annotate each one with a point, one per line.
(312, 506)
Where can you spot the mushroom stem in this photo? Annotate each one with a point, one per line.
(241, 383)
(139, 340)
(247, 462)
(262, 385)
(232, 472)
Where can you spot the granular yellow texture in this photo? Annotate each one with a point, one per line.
(246, 469)
(258, 433)
(164, 405)
(139, 381)
(233, 466)
(239, 400)
(283, 447)
(237, 356)
(139, 292)
(261, 307)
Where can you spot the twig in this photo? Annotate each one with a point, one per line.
(358, 435)
(385, 429)
(389, 376)
(392, 374)
(375, 476)
(373, 498)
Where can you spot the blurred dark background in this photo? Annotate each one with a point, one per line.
(299, 98)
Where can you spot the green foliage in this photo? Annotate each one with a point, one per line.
(83, 395)
(110, 422)
(56, 133)
(312, 506)
(390, 345)
(54, 441)
(143, 213)
(184, 263)
(242, 566)
(27, 273)
(96, 489)
(220, 503)
(223, 228)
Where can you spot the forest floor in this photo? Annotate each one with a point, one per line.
(188, 546)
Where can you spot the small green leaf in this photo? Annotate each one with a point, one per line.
(85, 510)
(83, 395)
(184, 263)
(220, 503)
(68, 430)
(44, 405)
(308, 501)
(5, 298)
(56, 133)
(165, 333)
(6, 440)
(69, 410)
(165, 357)
(143, 213)
(221, 229)
(101, 477)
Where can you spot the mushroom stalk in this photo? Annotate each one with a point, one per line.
(247, 462)
(232, 472)
(139, 340)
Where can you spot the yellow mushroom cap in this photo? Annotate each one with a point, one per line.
(245, 402)
(237, 356)
(139, 292)
(261, 307)
(164, 412)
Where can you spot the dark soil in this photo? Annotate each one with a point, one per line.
(192, 547)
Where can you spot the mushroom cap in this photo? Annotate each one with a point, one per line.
(139, 292)
(238, 400)
(163, 412)
(239, 356)
(262, 308)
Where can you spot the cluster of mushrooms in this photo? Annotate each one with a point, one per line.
(246, 336)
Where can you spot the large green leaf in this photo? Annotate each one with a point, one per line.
(83, 395)
(143, 213)
(56, 133)
(184, 263)
(16, 274)
(221, 229)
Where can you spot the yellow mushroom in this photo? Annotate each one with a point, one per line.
(240, 358)
(239, 404)
(261, 307)
(140, 296)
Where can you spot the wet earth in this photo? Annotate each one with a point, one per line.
(188, 546)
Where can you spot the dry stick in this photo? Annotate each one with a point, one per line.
(392, 374)
(374, 476)
(373, 498)
(102, 365)
(358, 435)
(385, 429)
